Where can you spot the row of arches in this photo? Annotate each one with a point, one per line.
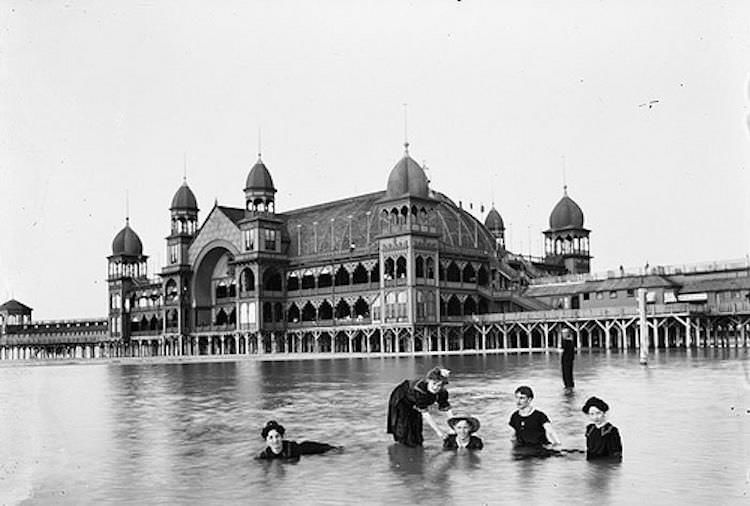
(567, 245)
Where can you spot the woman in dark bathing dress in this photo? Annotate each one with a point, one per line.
(280, 448)
(407, 407)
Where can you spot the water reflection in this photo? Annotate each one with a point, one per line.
(187, 433)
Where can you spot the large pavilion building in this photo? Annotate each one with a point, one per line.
(391, 270)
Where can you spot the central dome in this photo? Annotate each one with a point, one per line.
(494, 221)
(407, 178)
(127, 242)
(566, 214)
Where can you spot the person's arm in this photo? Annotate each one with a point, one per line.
(614, 443)
(313, 448)
(427, 417)
(551, 435)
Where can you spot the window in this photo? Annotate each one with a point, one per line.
(173, 253)
(612, 294)
(586, 296)
(270, 237)
(631, 292)
(248, 240)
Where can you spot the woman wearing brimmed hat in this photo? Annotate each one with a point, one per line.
(602, 438)
(408, 406)
(464, 427)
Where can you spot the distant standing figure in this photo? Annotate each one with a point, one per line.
(602, 438)
(568, 355)
(279, 448)
(465, 427)
(532, 427)
(408, 403)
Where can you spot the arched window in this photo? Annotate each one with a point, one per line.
(389, 268)
(272, 280)
(221, 317)
(308, 312)
(233, 316)
(324, 279)
(247, 280)
(221, 290)
(453, 273)
(170, 291)
(360, 275)
(343, 310)
(308, 280)
(470, 307)
(325, 311)
(232, 290)
(430, 268)
(375, 274)
(469, 274)
(483, 277)
(267, 312)
(278, 312)
(419, 267)
(292, 283)
(342, 276)
(361, 309)
(401, 267)
(292, 316)
(454, 306)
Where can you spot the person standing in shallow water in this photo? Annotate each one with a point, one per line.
(408, 407)
(280, 448)
(602, 438)
(566, 361)
(532, 427)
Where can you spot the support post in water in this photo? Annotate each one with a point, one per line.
(643, 325)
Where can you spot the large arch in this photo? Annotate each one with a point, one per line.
(214, 254)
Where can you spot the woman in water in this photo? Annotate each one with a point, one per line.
(407, 406)
(279, 448)
(464, 427)
(602, 438)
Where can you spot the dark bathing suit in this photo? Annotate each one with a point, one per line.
(404, 405)
(529, 429)
(293, 450)
(450, 443)
(603, 442)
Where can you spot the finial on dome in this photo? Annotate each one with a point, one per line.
(565, 190)
(184, 167)
(406, 148)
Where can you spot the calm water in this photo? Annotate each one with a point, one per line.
(186, 433)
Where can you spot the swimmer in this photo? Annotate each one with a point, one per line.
(532, 427)
(464, 428)
(280, 448)
(602, 438)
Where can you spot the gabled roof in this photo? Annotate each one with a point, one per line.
(13, 306)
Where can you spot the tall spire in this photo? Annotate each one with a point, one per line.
(406, 130)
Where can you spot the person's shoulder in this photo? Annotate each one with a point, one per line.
(540, 414)
(608, 428)
(476, 442)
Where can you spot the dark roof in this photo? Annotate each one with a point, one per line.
(13, 306)
(605, 285)
(566, 214)
(127, 242)
(259, 178)
(184, 198)
(716, 285)
(407, 178)
(494, 221)
(457, 227)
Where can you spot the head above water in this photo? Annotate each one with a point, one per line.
(473, 423)
(272, 425)
(525, 391)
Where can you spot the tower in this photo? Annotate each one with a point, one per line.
(176, 275)
(566, 242)
(126, 268)
(408, 245)
(494, 223)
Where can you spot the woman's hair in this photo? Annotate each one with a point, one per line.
(524, 390)
(272, 425)
(438, 373)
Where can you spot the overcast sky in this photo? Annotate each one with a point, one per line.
(106, 97)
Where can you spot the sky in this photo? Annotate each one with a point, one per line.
(642, 108)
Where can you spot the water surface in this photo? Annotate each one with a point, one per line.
(187, 433)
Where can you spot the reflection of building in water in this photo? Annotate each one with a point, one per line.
(399, 270)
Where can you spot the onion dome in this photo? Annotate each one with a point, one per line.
(566, 214)
(127, 242)
(259, 179)
(407, 178)
(184, 198)
(494, 221)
